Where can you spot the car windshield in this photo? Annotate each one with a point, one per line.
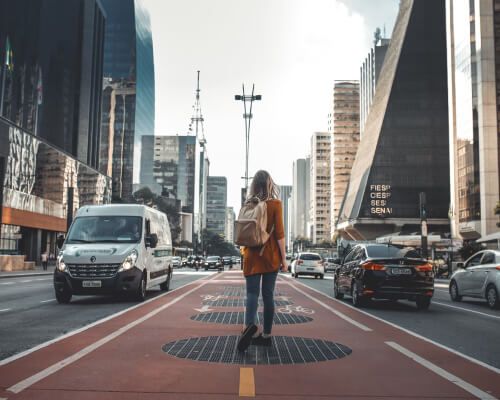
(310, 257)
(105, 229)
(390, 251)
(213, 258)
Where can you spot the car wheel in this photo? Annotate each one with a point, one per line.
(165, 286)
(455, 296)
(63, 296)
(322, 276)
(492, 297)
(141, 290)
(296, 275)
(423, 302)
(336, 293)
(357, 299)
(293, 275)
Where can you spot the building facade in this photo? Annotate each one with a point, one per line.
(345, 142)
(216, 204)
(404, 149)
(230, 220)
(129, 62)
(300, 198)
(285, 194)
(369, 74)
(473, 38)
(319, 207)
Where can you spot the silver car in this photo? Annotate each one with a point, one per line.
(478, 277)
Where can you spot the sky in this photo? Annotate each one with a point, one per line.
(293, 50)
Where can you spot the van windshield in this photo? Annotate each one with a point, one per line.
(105, 229)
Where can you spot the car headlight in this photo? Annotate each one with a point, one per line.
(60, 264)
(129, 261)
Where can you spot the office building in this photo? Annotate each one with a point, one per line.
(345, 142)
(301, 196)
(129, 59)
(404, 149)
(230, 220)
(285, 194)
(319, 207)
(216, 204)
(473, 34)
(50, 102)
(369, 75)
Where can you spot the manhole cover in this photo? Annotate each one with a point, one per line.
(285, 350)
(240, 302)
(239, 291)
(235, 318)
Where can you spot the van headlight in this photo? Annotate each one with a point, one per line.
(129, 261)
(60, 264)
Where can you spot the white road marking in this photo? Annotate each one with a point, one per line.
(466, 309)
(441, 285)
(46, 301)
(87, 327)
(333, 310)
(26, 281)
(203, 309)
(414, 334)
(26, 383)
(442, 373)
(6, 309)
(7, 283)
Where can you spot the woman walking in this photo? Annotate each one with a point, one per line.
(261, 265)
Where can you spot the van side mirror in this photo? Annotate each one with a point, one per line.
(60, 241)
(460, 265)
(151, 240)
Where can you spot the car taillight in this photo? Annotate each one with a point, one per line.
(369, 266)
(497, 267)
(424, 268)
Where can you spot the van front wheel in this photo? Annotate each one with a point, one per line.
(63, 297)
(165, 286)
(141, 290)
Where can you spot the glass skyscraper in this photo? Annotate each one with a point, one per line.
(128, 62)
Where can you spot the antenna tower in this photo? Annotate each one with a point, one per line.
(197, 118)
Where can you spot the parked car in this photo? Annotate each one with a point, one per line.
(176, 262)
(213, 262)
(308, 264)
(384, 271)
(478, 277)
(227, 260)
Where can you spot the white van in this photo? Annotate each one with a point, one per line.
(114, 248)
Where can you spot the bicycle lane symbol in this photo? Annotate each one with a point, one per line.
(289, 309)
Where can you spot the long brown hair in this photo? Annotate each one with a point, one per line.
(263, 186)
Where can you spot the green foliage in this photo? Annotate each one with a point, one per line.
(470, 249)
(216, 245)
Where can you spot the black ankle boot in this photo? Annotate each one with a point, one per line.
(262, 341)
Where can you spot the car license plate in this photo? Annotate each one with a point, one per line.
(310, 269)
(401, 271)
(91, 284)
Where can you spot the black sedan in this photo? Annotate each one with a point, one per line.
(228, 260)
(384, 271)
(213, 262)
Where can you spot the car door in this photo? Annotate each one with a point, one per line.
(344, 273)
(479, 274)
(466, 278)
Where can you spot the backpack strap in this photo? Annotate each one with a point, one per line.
(264, 245)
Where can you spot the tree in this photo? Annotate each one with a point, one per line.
(470, 249)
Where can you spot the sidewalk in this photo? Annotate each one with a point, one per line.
(181, 345)
(38, 271)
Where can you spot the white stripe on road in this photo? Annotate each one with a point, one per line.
(26, 383)
(337, 313)
(7, 283)
(46, 301)
(466, 309)
(414, 334)
(6, 309)
(442, 373)
(10, 359)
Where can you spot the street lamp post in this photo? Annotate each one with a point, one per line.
(248, 118)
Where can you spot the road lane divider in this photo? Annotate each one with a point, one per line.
(26, 383)
(333, 310)
(475, 391)
(466, 309)
(6, 309)
(87, 327)
(47, 301)
(247, 382)
(400, 328)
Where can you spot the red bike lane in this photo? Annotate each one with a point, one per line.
(181, 346)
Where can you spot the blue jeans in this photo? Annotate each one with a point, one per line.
(252, 303)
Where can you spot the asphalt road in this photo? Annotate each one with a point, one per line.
(469, 327)
(30, 314)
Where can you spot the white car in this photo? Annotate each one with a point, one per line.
(308, 264)
(478, 277)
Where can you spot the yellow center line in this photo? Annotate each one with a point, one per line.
(247, 382)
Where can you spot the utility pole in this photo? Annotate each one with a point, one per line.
(423, 224)
(248, 119)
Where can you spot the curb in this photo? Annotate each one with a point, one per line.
(25, 275)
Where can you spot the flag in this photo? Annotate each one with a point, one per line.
(9, 57)
(39, 87)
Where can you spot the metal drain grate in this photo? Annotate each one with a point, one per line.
(238, 318)
(285, 350)
(241, 302)
(240, 291)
